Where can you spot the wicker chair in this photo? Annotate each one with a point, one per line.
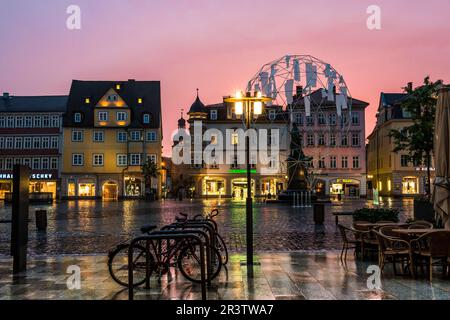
(351, 239)
(369, 241)
(392, 248)
(421, 224)
(430, 247)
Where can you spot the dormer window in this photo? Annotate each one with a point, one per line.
(272, 114)
(117, 86)
(77, 117)
(112, 97)
(140, 100)
(213, 114)
(87, 100)
(146, 118)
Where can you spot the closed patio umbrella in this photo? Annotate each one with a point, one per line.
(441, 192)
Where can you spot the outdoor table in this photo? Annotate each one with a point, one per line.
(342, 213)
(410, 232)
(380, 224)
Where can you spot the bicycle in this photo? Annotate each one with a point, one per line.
(219, 243)
(162, 255)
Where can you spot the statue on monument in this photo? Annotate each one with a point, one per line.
(297, 169)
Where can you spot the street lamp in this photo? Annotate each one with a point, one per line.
(248, 106)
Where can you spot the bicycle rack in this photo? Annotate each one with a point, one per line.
(166, 236)
(191, 231)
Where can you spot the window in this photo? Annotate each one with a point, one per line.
(355, 162)
(121, 136)
(344, 119)
(36, 142)
(344, 140)
(151, 158)
(332, 119)
(87, 100)
(345, 162)
(55, 121)
(310, 120)
(45, 142)
(1, 163)
(54, 143)
(121, 116)
(17, 160)
(355, 118)
(98, 136)
(2, 142)
(27, 143)
(404, 160)
(140, 100)
(151, 136)
(146, 118)
(135, 159)
(332, 140)
(37, 121)
(46, 121)
(8, 164)
(77, 159)
(321, 139)
(272, 114)
(121, 160)
(234, 138)
(97, 159)
(26, 162)
(28, 122)
(54, 163)
(77, 117)
(298, 119)
(102, 116)
(333, 162)
(213, 114)
(18, 143)
(135, 135)
(321, 119)
(112, 97)
(77, 135)
(355, 139)
(2, 122)
(9, 143)
(10, 122)
(310, 139)
(45, 163)
(322, 163)
(36, 163)
(19, 122)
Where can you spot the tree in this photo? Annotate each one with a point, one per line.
(149, 170)
(417, 139)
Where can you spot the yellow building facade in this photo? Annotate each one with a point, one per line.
(391, 173)
(110, 130)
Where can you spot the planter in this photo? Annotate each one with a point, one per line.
(423, 210)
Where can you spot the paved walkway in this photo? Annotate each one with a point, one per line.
(293, 275)
(91, 227)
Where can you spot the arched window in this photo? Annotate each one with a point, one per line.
(77, 117)
(146, 118)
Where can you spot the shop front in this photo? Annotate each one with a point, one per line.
(349, 188)
(410, 185)
(134, 186)
(42, 186)
(213, 187)
(110, 190)
(239, 188)
(270, 187)
(81, 187)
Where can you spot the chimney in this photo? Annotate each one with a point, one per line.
(5, 95)
(131, 80)
(299, 91)
(409, 86)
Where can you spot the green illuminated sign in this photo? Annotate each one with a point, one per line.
(242, 171)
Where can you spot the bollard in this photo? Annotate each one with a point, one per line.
(319, 213)
(41, 220)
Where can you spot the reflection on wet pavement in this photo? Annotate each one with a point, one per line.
(288, 275)
(89, 226)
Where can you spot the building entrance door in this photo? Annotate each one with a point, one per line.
(110, 191)
(239, 189)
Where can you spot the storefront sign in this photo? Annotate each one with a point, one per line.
(344, 181)
(35, 176)
(242, 171)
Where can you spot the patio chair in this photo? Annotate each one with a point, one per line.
(369, 241)
(351, 239)
(421, 224)
(394, 249)
(430, 247)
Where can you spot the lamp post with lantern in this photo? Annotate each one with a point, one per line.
(248, 106)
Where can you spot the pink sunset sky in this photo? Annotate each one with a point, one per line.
(217, 46)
